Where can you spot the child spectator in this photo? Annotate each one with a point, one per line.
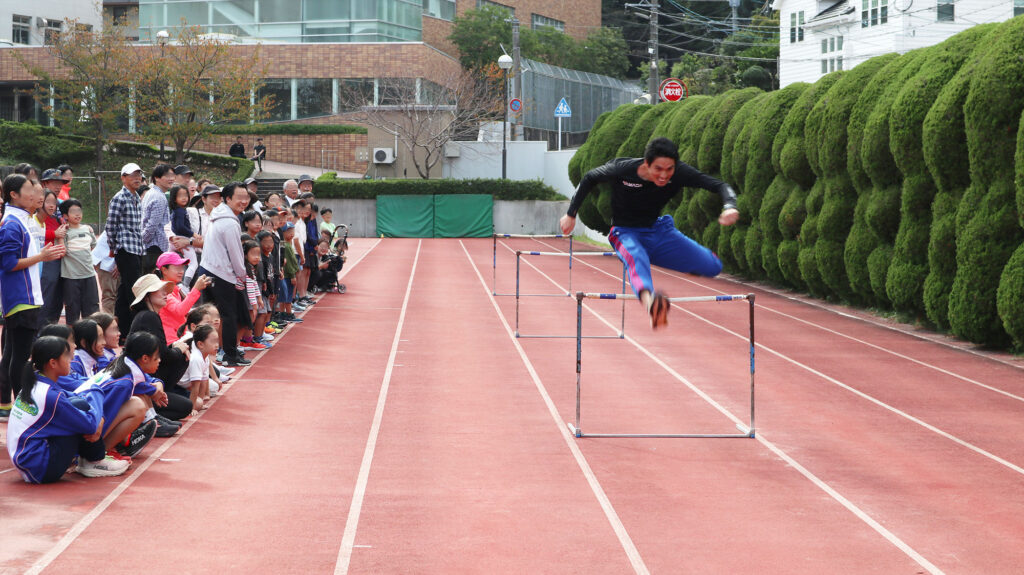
(89, 350)
(269, 286)
(49, 427)
(54, 231)
(171, 268)
(197, 377)
(78, 277)
(181, 225)
(111, 337)
(19, 281)
(291, 267)
(327, 225)
(106, 273)
(252, 224)
(257, 311)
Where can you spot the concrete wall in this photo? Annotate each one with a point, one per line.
(359, 215)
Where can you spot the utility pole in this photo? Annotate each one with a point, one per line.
(652, 47)
(517, 81)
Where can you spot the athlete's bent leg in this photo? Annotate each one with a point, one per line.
(674, 250)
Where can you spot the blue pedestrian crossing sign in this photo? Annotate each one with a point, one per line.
(563, 110)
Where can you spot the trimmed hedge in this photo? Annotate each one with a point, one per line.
(42, 146)
(327, 186)
(634, 145)
(854, 188)
(289, 129)
(243, 167)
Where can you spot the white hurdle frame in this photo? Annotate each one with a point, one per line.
(570, 255)
(577, 430)
(494, 264)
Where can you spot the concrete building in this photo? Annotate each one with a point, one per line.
(821, 36)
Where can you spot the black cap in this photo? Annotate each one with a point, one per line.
(305, 178)
(51, 174)
(182, 170)
(211, 189)
(249, 181)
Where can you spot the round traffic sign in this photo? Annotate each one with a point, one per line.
(515, 104)
(673, 90)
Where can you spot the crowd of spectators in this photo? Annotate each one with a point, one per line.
(186, 279)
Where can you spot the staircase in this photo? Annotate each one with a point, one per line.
(267, 186)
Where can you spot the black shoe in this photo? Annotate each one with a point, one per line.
(236, 362)
(165, 427)
(138, 439)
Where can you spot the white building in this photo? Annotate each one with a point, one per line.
(821, 36)
(29, 23)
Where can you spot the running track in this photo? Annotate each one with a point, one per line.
(402, 429)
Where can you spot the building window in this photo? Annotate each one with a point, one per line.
(945, 13)
(1018, 7)
(542, 21)
(796, 27)
(824, 66)
(874, 12)
(482, 3)
(839, 44)
(21, 26)
(443, 9)
(839, 63)
(52, 30)
(824, 46)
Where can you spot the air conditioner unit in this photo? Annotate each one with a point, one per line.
(40, 22)
(383, 155)
(452, 151)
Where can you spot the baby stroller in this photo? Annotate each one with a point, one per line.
(335, 258)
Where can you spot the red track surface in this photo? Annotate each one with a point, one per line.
(402, 429)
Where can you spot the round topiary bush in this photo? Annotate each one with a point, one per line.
(1010, 295)
(709, 155)
(789, 153)
(734, 148)
(768, 222)
(636, 142)
(808, 238)
(992, 113)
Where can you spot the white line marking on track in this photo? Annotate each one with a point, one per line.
(613, 518)
(880, 403)
(348, 538)
(83, 523)
(838, 497)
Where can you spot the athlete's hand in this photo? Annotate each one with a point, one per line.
(567, 223)
(729, 217)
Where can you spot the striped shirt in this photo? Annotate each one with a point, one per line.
(124, 223)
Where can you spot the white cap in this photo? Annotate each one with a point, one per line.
(130, 168)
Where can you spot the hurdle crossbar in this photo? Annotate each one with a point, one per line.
(622, 325)
(577, 430)
(494, 259)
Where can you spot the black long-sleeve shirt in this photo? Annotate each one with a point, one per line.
(636, 202)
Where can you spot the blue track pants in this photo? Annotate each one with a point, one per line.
(660, 245)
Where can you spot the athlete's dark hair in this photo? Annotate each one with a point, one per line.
(137, 345)
(85, 335)
(13, 183)
(661, 148)
(43, 350)
(102, 319)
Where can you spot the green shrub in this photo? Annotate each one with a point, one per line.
(768, 222)
(709, 155)
(682, 116)
(808, 237)
(1010, 297)
(992, 114)
(690, 138)
(734, 146)
(42, 146)
(289, 129)
(636, 142)
(789, 154)
(662, 129)
(325, 187)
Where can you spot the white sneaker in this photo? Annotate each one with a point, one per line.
(267, 337)
(106, 467)
(226, 370)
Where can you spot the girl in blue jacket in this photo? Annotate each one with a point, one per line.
(50, 427)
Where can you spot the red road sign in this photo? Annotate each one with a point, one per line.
(673, 90)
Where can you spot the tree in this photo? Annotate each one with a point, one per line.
(425, 116)
(603, 52)
(479, 34)
(194, 83)
(89, 86)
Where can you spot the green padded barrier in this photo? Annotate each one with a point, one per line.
(463, 216)
(405, 216)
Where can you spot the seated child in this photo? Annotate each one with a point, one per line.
(197, 377)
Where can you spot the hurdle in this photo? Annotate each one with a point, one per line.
(494, 263)
(570, 255)
(577, 429)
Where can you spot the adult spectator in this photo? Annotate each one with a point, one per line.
(29, 171)
(223, 258)
(52, 181)
(199, 216)
(124, 235)
(253, 188)
(259, 153)
(106, 273)
(305, 184)
(291, 192)
(237, 149)
(55, 230)
(66, 174)
(156, 215)
(182, 174)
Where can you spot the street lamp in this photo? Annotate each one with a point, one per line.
(505, 63)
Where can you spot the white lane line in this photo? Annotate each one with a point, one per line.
(348, 538)
(609, 511)
(78, 528)
(880, 403)
(838, 497)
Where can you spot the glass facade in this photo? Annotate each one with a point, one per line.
(293, 21)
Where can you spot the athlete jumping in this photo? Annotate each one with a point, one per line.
(640, 189)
